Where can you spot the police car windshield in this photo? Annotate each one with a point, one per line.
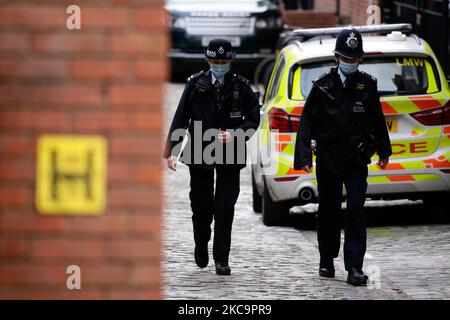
(395, 75)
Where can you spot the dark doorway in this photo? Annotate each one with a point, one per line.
(430, 20)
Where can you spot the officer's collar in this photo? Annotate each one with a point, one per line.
(227, 77)
(352, 77)
(214, 79)
(206, 80)
(349, 78)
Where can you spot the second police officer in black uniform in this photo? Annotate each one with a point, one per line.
(343, 115)
(216, 101)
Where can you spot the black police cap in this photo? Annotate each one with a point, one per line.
(220, 49)
(349, 44)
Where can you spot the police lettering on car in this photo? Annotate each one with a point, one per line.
(221, 112)
(343, 115)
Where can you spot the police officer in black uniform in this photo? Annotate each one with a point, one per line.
(343, 115)
(217, 100)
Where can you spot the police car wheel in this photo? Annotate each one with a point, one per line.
(435, 207)
(273, 213)
(257, 199)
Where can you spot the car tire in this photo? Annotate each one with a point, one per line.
(436, 208)
(257, 199)
(273, 213)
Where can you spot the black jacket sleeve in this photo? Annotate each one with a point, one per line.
(180, 119)
(303, 152)
(250, 109)
(379, 128)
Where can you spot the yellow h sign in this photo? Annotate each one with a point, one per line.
(71, 174)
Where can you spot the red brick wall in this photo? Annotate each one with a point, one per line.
(354, 10)
(105, 79)
(310, 19)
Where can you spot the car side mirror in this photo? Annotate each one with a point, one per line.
(258, 95)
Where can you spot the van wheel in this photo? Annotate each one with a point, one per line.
(273, 213)
(257, 199)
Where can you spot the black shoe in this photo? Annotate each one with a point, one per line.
(326, 268)
(201, 256)
(357, 277)
(326, 273)
(222, 268)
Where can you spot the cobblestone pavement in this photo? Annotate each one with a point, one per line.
(282, 262)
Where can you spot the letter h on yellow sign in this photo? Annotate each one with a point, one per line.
(71, 174)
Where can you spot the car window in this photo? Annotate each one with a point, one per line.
(272, 82)
(395, 75)
(277, 78)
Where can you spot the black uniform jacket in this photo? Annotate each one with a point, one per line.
(342, 120)
(233, 105)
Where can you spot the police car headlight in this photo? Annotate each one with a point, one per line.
(261, 24)
(267, 23)
(179, 22)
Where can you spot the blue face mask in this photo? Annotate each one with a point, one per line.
(220, 70)
(348, 68)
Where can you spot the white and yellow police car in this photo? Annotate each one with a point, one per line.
(415, 98)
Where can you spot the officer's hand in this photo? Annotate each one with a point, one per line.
(307, 169)
(383, 163)
(224, 136)
(172, 163)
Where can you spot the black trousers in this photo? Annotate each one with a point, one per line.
(329, 217)
(207, 205)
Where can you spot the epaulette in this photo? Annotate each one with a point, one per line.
(242, 79)
(369, 76)
(323, 75)
(194, 76)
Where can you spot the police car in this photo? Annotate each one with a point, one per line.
(415, 99)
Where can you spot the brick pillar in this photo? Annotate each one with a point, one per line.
(106, 79)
